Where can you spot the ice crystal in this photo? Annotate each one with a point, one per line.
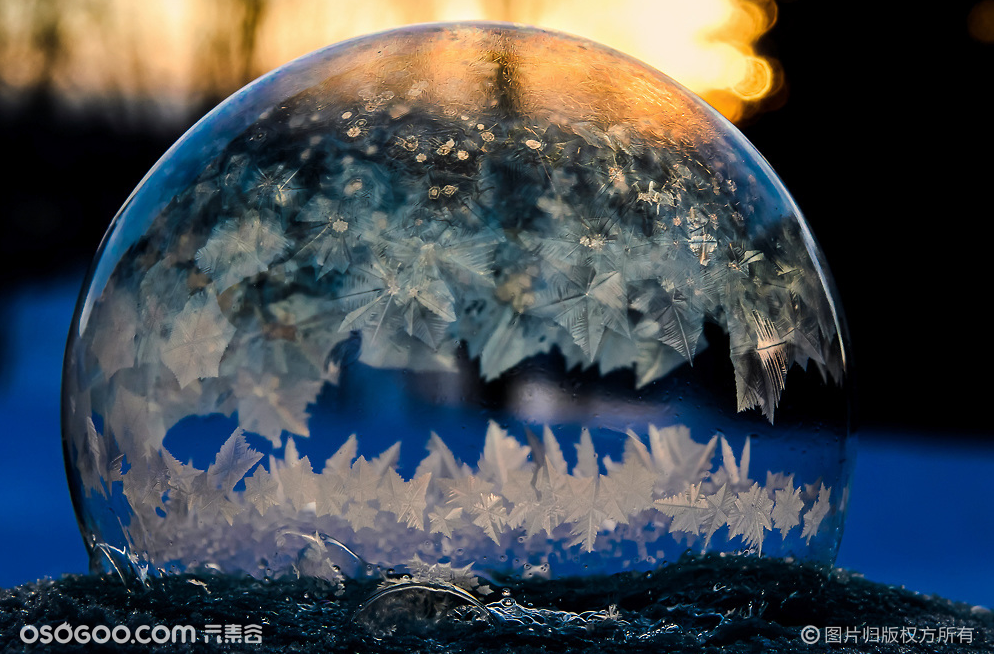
(813, 518)
(510, 492)
(136, 425)
(787, 507)
(268, 405)
(587, 307)
(261, 490)
(628, 489)
(199, 338)
(331, 238)
(406, 499)
(544, 507)
(672, 321)
(445, 520)
(297, 479)
(95, 465)
(752, 516)
(717, 508)
(114, 345)
(232, 462)
(242, 248)
(452, 312)
(687, 510)
(586, 512)
(491, 514)
(502, 454)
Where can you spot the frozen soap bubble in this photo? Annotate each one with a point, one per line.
(465, 303)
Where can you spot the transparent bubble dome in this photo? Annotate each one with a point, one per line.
(469, 303)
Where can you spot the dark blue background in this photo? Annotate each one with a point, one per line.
(919, 514)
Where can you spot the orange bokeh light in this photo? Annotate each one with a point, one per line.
(177, 52)
(980, 21)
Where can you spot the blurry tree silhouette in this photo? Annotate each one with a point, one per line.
(88, 56)
(47, 38)
(228, 51)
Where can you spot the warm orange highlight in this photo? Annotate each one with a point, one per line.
(177, 53)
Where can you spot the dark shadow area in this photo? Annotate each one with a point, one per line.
(728, 604)
(882, 138)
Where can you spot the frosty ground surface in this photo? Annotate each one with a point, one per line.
(698, 604)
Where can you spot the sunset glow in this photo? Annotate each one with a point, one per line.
(175, 53)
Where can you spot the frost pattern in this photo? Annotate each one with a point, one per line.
(508, 497)
(200, 335)
(390, 232)
(616, 251)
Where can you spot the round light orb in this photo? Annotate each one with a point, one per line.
(470, 303)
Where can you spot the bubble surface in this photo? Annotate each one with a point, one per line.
(474, 304)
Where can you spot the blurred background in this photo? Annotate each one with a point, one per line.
(877, 117)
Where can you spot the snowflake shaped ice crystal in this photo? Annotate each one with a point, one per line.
(508, 496)
(455, 295)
